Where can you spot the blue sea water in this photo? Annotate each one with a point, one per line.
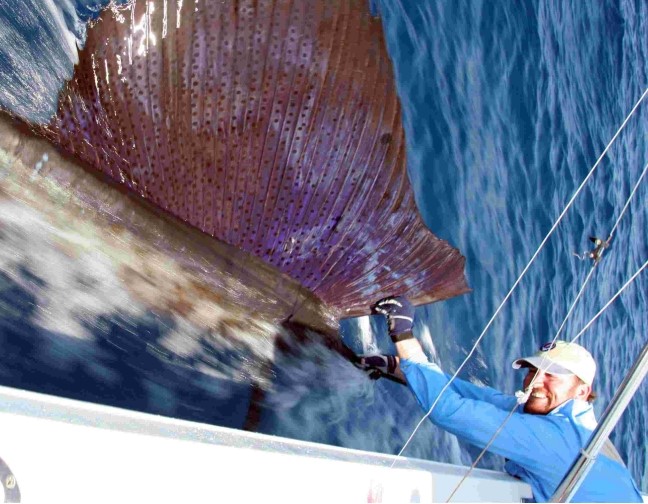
(506, 106)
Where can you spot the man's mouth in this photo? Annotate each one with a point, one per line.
(538, 395)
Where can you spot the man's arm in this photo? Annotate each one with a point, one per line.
(411, 349)
(529, 440)
(400, 318)
(483, 393)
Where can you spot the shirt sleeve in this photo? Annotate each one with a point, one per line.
(528, 440)
(483, 393)
(467, 389)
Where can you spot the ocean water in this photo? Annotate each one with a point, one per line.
(506, 108)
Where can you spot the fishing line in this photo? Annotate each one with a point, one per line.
(578, 296)
(634, 189)
(524, 395)
(611, 301)
(535, 377)
(474, 464)
(510, 292)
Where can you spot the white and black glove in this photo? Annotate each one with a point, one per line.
(379, 366)
(400, 316)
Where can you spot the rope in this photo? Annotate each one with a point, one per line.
(530, 387)
(510, 292)
(522, 398)
(634, 189)
(618, 293)
(474, 464)
(571, 309)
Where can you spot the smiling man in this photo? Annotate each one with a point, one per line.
(542, 438)
(559, 372)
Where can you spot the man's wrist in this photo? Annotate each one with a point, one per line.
(402, 336)
(410, 349)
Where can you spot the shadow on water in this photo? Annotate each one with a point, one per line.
(123, 366)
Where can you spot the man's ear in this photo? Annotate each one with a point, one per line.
(583, 391)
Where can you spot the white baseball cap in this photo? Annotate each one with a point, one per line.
(562, 358)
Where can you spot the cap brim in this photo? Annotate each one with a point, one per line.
(547, 365)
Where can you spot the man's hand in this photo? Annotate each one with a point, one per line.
(400, 316)
(377, 366)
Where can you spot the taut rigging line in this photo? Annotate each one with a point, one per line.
(529, 388)
(526, 268)
(523, 395)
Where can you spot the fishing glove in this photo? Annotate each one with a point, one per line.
(400, 316)
(380, 366)
(377, 365)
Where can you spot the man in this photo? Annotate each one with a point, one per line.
(542, 438)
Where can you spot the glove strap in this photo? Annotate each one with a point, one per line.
(402, 336)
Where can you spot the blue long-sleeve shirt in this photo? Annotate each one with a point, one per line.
(539, 448)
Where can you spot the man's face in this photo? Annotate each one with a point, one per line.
(550, 391)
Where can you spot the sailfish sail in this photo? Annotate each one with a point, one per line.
(273, 126)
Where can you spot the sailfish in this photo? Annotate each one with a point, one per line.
(240, 166)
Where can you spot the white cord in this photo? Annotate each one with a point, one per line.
(634, 189)
(510, 292)
(610, 301)
(523, 395)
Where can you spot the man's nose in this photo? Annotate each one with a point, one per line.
(538, 379)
